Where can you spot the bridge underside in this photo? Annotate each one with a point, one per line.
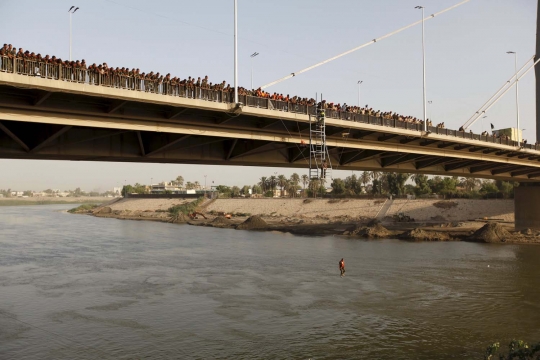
(21, 140)
(39, 124)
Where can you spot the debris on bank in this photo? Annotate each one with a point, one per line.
(422, 235)
(254, 222)
(491, 233)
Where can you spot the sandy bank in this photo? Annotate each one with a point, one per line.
(420, 210)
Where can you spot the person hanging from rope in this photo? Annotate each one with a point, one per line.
(342, 267)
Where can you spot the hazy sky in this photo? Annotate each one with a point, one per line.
(465, 51)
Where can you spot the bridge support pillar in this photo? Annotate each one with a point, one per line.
(527, 206)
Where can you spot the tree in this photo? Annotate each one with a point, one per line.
(396, 182)
(235, 191)
(273, 182)
(256, 189)
(365, 177)
(245, 190)
(422, 186)
(179, 181)
(223, 190)
(305, 180)
(470, 183)
(27, 193)
(293, 186)
(338, 186)
(282, 181)
(352, 185)
(190, 186)
(263, 182)
(488, 188)
(506, 188)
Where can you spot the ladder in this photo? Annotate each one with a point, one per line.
(320, 166)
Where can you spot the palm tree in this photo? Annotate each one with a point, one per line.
(305, 180)
(273, 182)
(262, 183)
(365, 177)
(375, 175)
(294, 181)
(295, 178)
(282, 181)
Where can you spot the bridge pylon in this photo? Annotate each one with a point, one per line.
(320, 165)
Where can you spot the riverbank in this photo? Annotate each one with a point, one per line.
(429, 220)
(52, 200)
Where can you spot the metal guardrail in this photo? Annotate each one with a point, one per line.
(62, 72)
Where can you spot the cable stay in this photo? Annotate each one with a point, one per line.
(499, 94)
(291, 75)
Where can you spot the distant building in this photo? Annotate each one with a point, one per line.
(117, 191)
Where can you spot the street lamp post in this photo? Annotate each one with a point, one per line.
(71, 11)
(252, 56)
(204, 185)
(517, 93)
(423, 65)
(359, 83)
(235, 52)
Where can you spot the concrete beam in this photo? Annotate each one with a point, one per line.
(51, 138)
(168, 145)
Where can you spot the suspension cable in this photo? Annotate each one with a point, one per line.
(362, 46)
(505, 91)
(481, 111)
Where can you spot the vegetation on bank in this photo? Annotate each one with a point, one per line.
(517, 349)
(83, 208)
(184, 209)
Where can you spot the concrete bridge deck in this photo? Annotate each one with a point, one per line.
(53, 119)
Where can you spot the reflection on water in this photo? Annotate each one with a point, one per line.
(78, 287)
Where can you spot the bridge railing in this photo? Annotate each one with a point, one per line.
(135, 83)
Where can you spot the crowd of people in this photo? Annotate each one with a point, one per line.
(30, 63)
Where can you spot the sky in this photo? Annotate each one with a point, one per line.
(466, 63)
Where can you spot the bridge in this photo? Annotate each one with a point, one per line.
(85, 118)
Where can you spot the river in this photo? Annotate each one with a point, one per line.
(79, 287)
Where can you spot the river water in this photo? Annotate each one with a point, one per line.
(79, 287)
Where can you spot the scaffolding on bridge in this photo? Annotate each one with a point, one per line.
(320, 165)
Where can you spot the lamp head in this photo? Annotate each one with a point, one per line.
(510, 52)
(419, 7)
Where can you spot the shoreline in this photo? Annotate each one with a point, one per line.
(350, 217)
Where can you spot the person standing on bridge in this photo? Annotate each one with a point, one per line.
(342, 267)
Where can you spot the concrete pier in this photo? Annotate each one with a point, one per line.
(527, 206)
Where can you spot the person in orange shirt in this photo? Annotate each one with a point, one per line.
(342, 267)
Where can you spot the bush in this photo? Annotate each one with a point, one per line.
(185, 209)
(83, 208)
(307, 201)
(517, 349)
